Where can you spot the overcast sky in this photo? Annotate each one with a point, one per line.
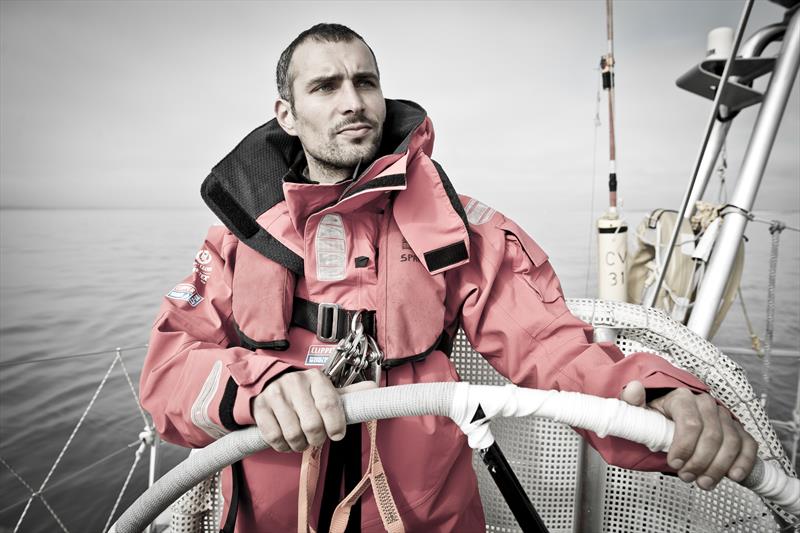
(129, 104)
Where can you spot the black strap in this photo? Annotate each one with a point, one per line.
(331, 491)
(233, 509)
(444, 344)
(352, 475)
(344, 461)
(305, 315)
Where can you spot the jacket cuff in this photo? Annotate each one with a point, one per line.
(247, 382)
(676, 378)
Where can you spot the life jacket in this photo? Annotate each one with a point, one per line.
(245, 190)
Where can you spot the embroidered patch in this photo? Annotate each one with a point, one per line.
(318, 354)
(186, 292)
(203, 257)
(201, 265)
(330, 244)
(478, 213)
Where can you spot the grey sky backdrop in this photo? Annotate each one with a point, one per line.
(129, 104)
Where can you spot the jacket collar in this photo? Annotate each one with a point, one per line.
(252, 178)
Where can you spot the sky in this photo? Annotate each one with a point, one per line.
(129, 104)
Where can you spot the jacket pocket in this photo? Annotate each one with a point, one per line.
(530, 262)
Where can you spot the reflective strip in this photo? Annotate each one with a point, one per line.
(200, 415)
(478, 212)
(330, 245)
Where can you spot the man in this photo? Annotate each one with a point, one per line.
(334, 207)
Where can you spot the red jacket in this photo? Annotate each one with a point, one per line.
(198, 381)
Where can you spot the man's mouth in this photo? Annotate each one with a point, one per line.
(357, 129)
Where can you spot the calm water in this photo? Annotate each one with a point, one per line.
(74, 281)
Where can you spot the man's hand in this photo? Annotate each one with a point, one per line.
(300, 409)
(708, 443)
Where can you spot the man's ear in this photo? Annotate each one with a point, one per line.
(286, 119)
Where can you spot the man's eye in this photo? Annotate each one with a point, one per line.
(365, 83)
(325, 87)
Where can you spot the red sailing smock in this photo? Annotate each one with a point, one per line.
(362, 244)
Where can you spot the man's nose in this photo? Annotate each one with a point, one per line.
(351, 100)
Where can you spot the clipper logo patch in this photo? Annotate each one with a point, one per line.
(318, 354)
(186, 292)
(478, 213)
(202, 266)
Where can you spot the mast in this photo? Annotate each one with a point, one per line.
(612, 231)
(607, 69)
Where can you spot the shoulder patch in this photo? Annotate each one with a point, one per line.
(186, 292)
(478, 213)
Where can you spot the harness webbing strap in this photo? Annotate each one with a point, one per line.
(344, 460)
(309, 474)
(306, 314)
(352, 474)
(375, 476)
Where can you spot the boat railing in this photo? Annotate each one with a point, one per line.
(147, 439)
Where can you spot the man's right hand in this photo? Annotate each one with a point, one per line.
(300, 409)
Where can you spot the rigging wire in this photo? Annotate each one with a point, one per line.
(34, 494)
(71, 356)
(39, 493)
(69, 477)
(597, 124)
(69, 441)
(133, 389)
(136, 459)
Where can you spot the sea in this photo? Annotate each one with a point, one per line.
(89, 281)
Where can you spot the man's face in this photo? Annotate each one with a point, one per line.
(338, 109)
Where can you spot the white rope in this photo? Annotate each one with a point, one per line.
(69, 441)
(604, 416)
(35, 494)
(136, 459)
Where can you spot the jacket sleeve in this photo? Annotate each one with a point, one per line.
(197, 382)
(513, 313)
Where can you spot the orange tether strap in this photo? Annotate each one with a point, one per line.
(309, 474)
(375, 476)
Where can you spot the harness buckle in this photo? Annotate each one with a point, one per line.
(328, 314)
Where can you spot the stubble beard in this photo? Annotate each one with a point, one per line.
(339, 155)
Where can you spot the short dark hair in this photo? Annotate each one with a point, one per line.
(323, 32)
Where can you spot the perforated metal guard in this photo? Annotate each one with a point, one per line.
(200, 509)
(547, 457)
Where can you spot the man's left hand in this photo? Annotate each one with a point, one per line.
(708, 443)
